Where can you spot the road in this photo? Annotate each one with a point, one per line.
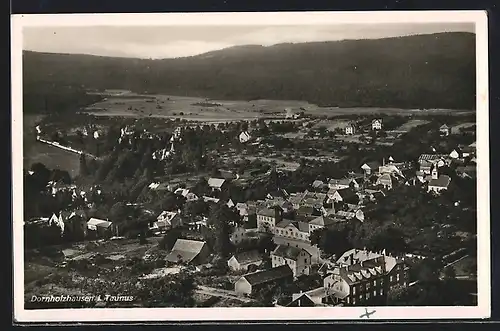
(217, 292)
(66, 148)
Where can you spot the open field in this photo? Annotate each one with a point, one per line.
(410, 125)
(331, 125)
(52, 157)
(199, 109)
(456, 129)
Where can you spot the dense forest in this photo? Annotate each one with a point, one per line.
(424, 71)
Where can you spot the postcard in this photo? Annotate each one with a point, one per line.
(293, 166)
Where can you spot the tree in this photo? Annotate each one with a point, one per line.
(84, 171)
(221, 218)
(169, 239)
(118, 212)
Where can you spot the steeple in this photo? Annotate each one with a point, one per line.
(434, 171)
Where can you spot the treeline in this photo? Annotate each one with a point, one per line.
(46, 98)
(425, 71)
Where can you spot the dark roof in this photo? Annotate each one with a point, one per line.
(248, 257)
(347, 193)
(442, 181)
(268, 211)
(288, 252)
(373, 164)
(270, 275)
(304, 299)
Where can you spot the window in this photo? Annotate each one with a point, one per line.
(367, 286)
(381, 292)
(390, 278)
(374, 283)
(354, 290)
(404, 284)
(353, 301)
(375, 293)
(360, 297)
(367, 295)
(397, 277)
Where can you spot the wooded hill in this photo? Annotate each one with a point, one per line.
(423, 71)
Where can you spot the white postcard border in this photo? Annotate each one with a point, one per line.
(482, 310)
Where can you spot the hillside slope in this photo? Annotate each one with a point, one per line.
(424, 71)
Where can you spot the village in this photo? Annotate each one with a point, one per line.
(250, 222)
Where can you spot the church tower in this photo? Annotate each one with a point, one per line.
(434, 172)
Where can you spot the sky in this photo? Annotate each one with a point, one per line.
(180, 41)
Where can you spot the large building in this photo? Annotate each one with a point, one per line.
(250, 283)
(267, 219)
(298, 259)
(359, 277)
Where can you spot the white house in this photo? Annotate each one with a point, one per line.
(244, 137)
(350, 128)
(438, 182)
(377, 124)
(298, 259)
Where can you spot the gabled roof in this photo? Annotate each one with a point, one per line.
(385, 179)
(371, 165)
(248, 257)
(288, 252)
(322, 221)
(317, 183)
(270, 275)
(431, 157)
(216, 182)
(269, 212)
(304, 299)
(346, 193)
(342, 181)
(186, 250)
(442, 181)
(444, 126)
(99, 223)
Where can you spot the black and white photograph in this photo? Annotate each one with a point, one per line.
(323, 166)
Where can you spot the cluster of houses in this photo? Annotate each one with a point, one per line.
(351, 127)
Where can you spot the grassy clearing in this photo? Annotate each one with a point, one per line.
(411, 124)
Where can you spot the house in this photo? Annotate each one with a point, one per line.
(297, 230)
(456, 153)
(337, 184)
(318, 185)
(102, 228)
(468, 151)
(371, 168)
(348, 215)
(244, 137)
(386, 180)
(346, 195)
(377, 124)
(309, 199)
(216, 183)
(189, 251)
(444, 130)
(350, 128)
(57, 220)
(267, 218)
(439, 184)
(301, 300)
(238, 235)
(298, 259)
(166, 220)
(320, 222)
(361, 276)
(243, 260)
(252, 282)
(285, 205)
(426, 161)
(278, 194)
(75, 223)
